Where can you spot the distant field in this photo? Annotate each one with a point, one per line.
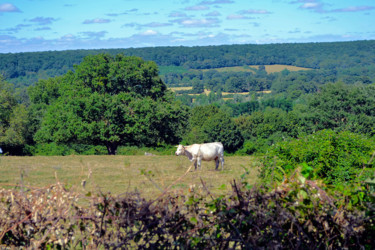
(181, 88)
(269, 68)
(279, 67)
(119, 174)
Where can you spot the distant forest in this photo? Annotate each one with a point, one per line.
(349, 62)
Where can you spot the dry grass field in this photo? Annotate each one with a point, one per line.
(269, 68)
(181, 88)
(278, 67)
(119, 174)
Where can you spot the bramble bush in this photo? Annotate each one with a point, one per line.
(294, 215)
(335, 157)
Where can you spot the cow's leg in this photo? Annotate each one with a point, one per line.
(199, 163)
(217, 162)
(222, 162)
(195, 163)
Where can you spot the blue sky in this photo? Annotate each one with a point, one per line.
(41, 25)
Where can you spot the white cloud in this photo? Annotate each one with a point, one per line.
(150, 25)
(310, 6)
(96, 35)
(314, 5)
(96, 20)
(237, 17)
(156, 24)
(16, 29)
(213, 13)
(216, 2)
(354, 9)
(197, 8)
(251, 11)
(205, 22)
(177, 14)
(43, 20)
(8, 7)
(149, 33)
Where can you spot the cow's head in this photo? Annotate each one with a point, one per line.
(180, 150)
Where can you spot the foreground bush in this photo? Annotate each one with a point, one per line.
(298, 214)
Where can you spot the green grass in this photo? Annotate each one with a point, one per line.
(119, 174)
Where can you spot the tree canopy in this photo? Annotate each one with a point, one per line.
(111, 101)
(13, 119)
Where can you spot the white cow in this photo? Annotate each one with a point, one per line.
(206, 151)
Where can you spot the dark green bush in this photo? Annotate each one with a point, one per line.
(335, 157)
(49, 149)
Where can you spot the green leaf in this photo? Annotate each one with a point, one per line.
(193, 220)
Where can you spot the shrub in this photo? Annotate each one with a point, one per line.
(49, 149)
(335, 157)
(293, 216)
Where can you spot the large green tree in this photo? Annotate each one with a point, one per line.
(13, 120)
(112, 101)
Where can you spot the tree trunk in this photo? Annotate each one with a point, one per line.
(112, 148)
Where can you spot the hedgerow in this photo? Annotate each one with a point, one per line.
(294, 215)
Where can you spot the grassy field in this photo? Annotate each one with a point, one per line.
(119, 174)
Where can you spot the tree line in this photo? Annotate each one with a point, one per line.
(23, 69)
(120, 100)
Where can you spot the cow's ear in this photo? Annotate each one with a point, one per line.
(176, 146)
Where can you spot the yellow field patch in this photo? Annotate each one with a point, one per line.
(278, 67)
(232, 93)
(250, 68)
(181, 88)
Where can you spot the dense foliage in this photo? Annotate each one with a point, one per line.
(13, 119)
(344, 107)
(108, 101)
(335, 157)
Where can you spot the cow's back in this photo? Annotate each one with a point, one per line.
(211, 151)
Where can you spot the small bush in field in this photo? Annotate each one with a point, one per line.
(335, 157)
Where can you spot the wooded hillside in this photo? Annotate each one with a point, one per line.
(23, 69)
